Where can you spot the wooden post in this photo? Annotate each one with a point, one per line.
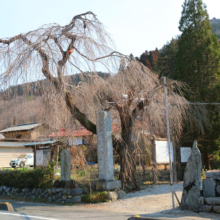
(57, 156)
(35, 157)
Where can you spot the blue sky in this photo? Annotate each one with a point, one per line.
(135, 25)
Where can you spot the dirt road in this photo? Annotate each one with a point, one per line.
(153, 201)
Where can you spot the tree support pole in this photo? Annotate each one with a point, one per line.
(169, 146)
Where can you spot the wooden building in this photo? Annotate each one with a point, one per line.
(30, 131)
(12, 140)
(75, 137)
(44, 151)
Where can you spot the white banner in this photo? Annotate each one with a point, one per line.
(39, 157)
(185, 154)
(162, 151)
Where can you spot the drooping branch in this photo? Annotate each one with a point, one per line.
(11, 40)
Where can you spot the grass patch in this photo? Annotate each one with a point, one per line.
(95, 197)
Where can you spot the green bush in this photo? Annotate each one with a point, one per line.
(81, 172)
(95, 197)
(37, 178)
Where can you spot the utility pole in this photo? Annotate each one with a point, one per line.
(169, 145)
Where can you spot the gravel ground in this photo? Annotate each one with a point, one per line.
(155, 199)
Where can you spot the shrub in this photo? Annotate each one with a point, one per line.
(37, 178)
(95, 197)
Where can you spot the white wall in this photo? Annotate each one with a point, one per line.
(9, 153)
(76, 141)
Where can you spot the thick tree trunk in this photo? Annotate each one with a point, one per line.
(127, 158)
(207, 161)
(128, 169)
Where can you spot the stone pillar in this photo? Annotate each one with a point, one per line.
(105, 152)
(192, 179)
(65, 165)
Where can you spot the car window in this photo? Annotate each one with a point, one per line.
(29, 156)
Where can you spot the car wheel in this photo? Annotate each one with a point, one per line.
(22, 164)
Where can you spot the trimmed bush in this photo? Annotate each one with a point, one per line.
(23, 178)
(95, 197)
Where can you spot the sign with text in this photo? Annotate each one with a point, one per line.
(185, 154)
(43, 157)
(162, 151)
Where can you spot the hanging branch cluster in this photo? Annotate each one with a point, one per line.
(49, 50)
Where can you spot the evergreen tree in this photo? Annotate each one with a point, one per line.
(197, 64)
(167, 59)
(198, 52)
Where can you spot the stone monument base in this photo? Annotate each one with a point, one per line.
(110, 185)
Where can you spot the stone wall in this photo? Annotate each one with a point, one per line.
(58, 195)
(54, 195)
(210, 195)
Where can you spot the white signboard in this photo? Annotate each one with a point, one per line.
(39, 158)
(185, 153)
(162, 151)
(43, 157)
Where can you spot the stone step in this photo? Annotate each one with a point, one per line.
(202, 208)
(212, 201)
(214, 174)
(216, 208)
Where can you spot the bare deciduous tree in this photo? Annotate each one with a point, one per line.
(133, 95)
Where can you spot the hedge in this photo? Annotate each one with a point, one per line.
(23, 178)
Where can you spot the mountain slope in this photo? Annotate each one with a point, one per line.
(215, 26)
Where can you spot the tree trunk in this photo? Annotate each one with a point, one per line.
(127, 158)
(154, 162)
(179, 165)
(174, 164)
(128, 169)
(143, 159)
(207, 161)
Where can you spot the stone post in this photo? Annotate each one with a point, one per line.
(192, 180)
(65, 165)
(105, 152)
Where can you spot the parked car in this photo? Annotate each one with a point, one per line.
(23, 160)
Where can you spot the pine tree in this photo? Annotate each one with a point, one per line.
(198, 64)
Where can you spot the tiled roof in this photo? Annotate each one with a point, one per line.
(74, 133)
(80, 132)
(11, 144)
(22, 127)
(40, 143)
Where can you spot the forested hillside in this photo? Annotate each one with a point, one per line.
(37, 88)
(29, 103)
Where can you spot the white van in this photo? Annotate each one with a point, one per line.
(23, 160)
